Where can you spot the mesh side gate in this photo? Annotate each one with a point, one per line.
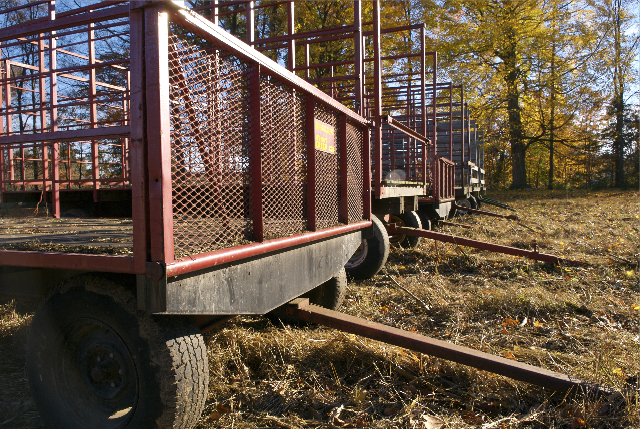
(327, 175)
(210, 146)
(284, 164)
(354, 172)
(239, 138)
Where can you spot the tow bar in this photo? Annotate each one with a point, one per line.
(301, 309)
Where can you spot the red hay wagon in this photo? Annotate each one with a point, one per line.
(189, 177)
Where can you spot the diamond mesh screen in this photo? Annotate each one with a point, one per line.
(354, 172)
(210, 145)
(284, 160)
(212, 159)
(327, 175)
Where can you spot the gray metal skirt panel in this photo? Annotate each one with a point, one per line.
(257, 285)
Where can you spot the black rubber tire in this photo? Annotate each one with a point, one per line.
(474, 202)
(75, 213)
(372, 254)
(329, 294)
(411, 220)
(463, 203)
(95, 361)
(424, 220)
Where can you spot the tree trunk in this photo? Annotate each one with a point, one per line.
(518, 148)
(618, 101)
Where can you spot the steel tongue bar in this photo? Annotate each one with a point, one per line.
(482, 212)
(301, 309)
(461, 241)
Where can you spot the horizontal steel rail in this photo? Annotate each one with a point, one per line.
(69, 261)
(218, 257)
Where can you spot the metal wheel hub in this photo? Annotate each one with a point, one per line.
(396, 239)
(99, 377)
(359, 255)
(104, 374)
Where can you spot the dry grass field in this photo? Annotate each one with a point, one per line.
(583, 321)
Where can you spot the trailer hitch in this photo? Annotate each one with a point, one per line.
(301, 309)
(482, 212)
(392, 228)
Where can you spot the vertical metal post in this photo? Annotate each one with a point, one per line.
(450, 157)
(124, 142)
(7, 92)
(463, 167)
(2, 148)
(435, 104)
(377, 93)
(95, 163)
(158, 134)
(392, 151)
(214, 12)
(138, 142)
(366, 173)
(53, 90)
(250, 13)
(311, 162)
(307, 58)
(344, 169)
(423, 71)
(291, 29)
(256, 155)
(331, 75)
(42, 82)
(358, 52)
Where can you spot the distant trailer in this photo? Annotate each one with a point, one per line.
(397, 90)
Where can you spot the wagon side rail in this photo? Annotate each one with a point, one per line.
(245, 158)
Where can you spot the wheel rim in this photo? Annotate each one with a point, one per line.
(396, 239)
(359, 255)
(96, 375)
(463, 203)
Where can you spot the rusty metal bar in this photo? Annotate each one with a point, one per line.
(158, 134)
(256, 154)
(366, 173)
(301, 309)
(68, 261)
(388, 119)
(344, 173)
(138, 144)
(377, 93)
(310, 106)
(291, 28)
(210, 259)
(482, 212)
(462, 241)
(71, 135)
(442, 222)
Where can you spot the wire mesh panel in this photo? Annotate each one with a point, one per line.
(354, 172)
(284, 162)
(327, 174)
(210, 144)
(240, 148)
